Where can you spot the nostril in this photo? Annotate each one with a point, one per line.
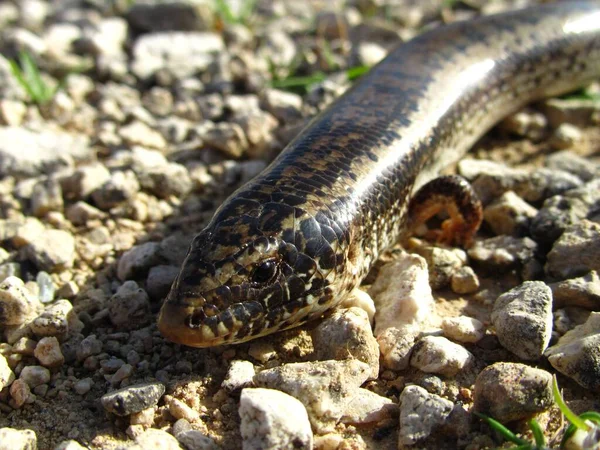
(196, 319)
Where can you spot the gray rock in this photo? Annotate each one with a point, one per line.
(523, 319)
(420, 414)
(138, 133)
(156, 16)
(70, 445)
(159, 281)
(577, 353)
(229, 138)
(56, 320)
(121, 187)
(181, 53)
(562, 211)
(576, 252)
(17, 305)
(569, 161)
(285, 106)
(6, 374)
(171, 179)
(271, 419)
(583, 292)
(129, 308)
(132, 399)
(396, 347)
(156, 439)
(85, 180)
(347, 334)
(572, 110)
(324, 387)
(12, 439)
(259, 129)
(89, 346)
(464, 281)
(46, 285)
(565, 136)
(493, 179)
(512, 391)
(503, 252)
(436, 354)
(239, 376)
(442, 263)
(52, 251)
(35, 375)
(368, 407)
(138, 260)
(509, 214)
(530, 124)
(48, 352)
(47, 151)
(196, 440)
(80, 213)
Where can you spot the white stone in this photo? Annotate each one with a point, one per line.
(436, 354)
(463, 329)
(402, 295)
(239, 375)
(6, 374)
(273, 420)
(12, 439)
(420, 413)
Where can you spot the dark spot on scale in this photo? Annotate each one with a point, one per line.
(327, 259)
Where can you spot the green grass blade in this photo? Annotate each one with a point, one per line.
(538, 434)
(224, 11)
(569, 415)
(33, 77)
(355, 72)
(505, 432)
(18, 74)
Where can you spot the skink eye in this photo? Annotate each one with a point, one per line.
(265, 271)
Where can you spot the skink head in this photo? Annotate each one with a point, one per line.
(247, 275)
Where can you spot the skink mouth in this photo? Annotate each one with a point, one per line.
(173, 323)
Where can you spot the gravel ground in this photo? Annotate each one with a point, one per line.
(163, 108)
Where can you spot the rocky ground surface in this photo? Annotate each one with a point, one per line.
(161, 110)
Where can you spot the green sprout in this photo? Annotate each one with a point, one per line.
(589, 422)
(303, 84)
(29, 77)
(521, 444)
(241, 16)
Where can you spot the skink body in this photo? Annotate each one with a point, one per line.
(292, 243)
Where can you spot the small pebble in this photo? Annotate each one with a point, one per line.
(420, 414)
(369, 407)
(138, 260)
(6, 374)
(17, 305)
(273, 420)
(347, 334)
(442, 264)
(436, 354)
(396, 348)
(402, 294)
(156, 439)
(144, 417)
(180, 410)
(503, 252)
(523, 319)
(129, 308)
(512, 391)
(464, 281)
(238, 376)
(509, 214)
(196, 440)
(463, 329)
(55, 320)
(52, 251)
(324, 387)
(583, 292)
(132, 399)
(35, 375)
(48, 352)
(576, 353)
(70, 445)
(83, 386)
(20, 393)
(12, 439)
(565, 136)
(576, 252)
